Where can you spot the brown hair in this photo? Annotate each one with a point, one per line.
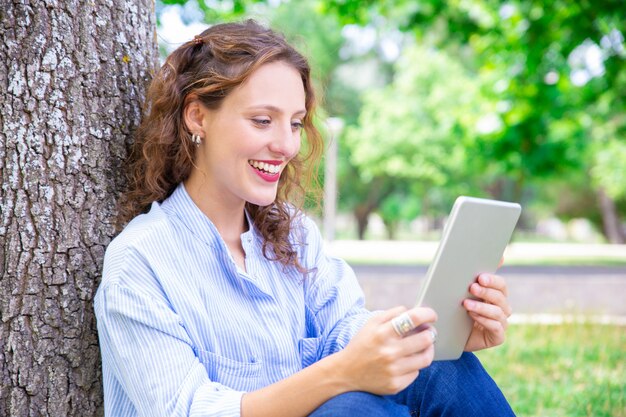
(210, 66)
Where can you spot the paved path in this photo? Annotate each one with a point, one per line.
(414, 252)
(578, 290)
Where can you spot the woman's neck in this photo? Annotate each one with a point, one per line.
(229, 219)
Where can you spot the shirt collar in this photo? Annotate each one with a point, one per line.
(180, 205)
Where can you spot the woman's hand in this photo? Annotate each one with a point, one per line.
(378, 360)
(490, 312)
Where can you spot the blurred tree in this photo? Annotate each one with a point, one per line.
(399, 206)
(414, 135)
(558, 77)
(220, 10)
(317, 37)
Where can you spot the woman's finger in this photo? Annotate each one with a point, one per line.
(487, 310)
(418, 342)
(494, 329)
(493, 281)
(491, 296)
(385, 316)
(412, 363)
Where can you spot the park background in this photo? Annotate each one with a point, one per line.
(520, 101)
(422, 101)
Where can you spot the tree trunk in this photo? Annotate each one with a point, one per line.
(72, 78)
(378, 191)
(392, 228)
(362, 214)
(612, 226)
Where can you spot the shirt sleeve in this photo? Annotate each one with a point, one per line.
(333, 295)
(149, 361)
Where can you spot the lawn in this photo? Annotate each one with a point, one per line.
(562, 370)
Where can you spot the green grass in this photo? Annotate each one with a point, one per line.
(562, 370)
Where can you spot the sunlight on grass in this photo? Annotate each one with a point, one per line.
(562, 370)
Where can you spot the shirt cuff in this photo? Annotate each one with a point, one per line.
(210, 402)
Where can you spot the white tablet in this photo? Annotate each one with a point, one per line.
(473, 241)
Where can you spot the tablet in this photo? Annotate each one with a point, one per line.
(473, 241)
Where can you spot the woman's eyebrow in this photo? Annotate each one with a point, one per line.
(274, 109)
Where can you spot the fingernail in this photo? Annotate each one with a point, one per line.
(470, 304)
(485, 279)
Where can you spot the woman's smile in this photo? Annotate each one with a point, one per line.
(267, 170)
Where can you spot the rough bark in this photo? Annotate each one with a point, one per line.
(72, 77)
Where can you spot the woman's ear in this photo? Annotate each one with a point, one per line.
(193, 116)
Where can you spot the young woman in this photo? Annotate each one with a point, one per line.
(219, 299)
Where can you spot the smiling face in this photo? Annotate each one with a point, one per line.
(248, 140)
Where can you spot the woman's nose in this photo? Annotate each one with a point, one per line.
(286, 142)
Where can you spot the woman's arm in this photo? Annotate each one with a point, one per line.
(148, 361)
(377, 360)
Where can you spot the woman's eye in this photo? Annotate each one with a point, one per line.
(296, 125)
(261, 122)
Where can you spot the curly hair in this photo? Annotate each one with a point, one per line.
(210, 67)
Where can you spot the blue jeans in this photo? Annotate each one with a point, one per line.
(447, 388)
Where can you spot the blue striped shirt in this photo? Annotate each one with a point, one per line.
(185, 332)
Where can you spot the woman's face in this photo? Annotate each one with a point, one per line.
(249, 140)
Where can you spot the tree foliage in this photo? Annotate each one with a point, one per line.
(554, 71)
(417, 129)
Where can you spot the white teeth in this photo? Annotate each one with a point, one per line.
(264, 166)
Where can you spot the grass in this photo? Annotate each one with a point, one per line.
(571, 370)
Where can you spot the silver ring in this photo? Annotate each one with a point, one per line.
(402, 324)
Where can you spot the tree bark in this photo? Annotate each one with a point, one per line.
(72, 78)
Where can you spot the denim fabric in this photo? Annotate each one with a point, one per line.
(447, 388)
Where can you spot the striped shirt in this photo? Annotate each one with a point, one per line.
(185, 332)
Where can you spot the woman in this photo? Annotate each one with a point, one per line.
(220, 301)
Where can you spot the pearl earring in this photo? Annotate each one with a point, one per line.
(196, 139)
